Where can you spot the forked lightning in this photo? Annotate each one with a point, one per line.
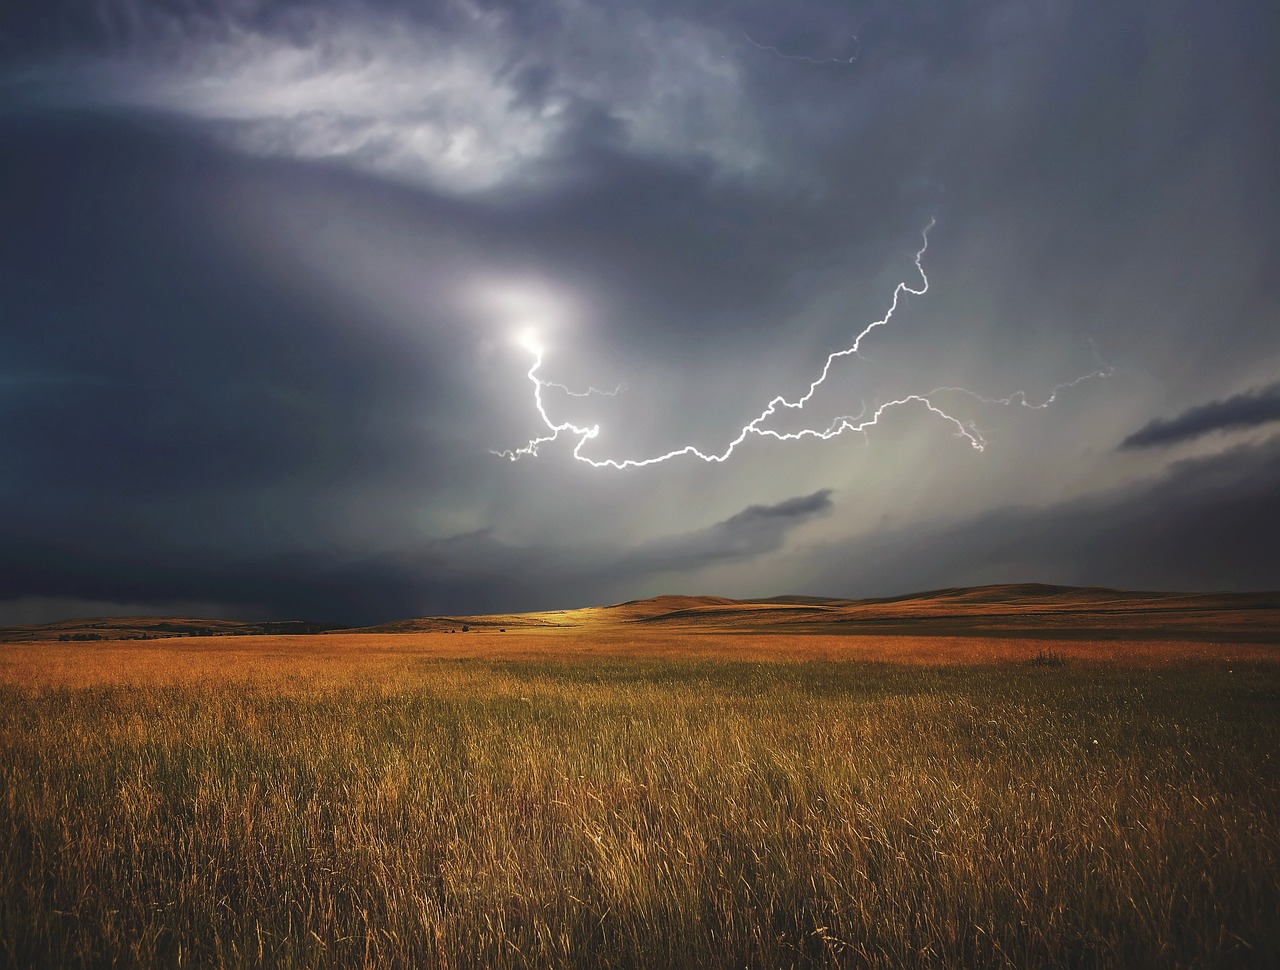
(841, 425)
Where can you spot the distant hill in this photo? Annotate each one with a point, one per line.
(1020, 610)
(1007, 610)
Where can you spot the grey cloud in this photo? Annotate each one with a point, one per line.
(468, 100)
(482, 570)
(1205, 523)
(754, 531)
(178, 365)
(1257, 406)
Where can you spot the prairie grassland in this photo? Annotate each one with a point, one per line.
(642, 813)
(294, 663)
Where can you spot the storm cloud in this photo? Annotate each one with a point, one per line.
(744, 535)
(462, 573)
(1206, 523)
(1256, 406)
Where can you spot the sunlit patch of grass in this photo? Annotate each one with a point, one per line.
(644, 813)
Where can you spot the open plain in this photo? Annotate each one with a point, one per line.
(1007, 776)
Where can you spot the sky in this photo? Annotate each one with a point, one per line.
(283, 286)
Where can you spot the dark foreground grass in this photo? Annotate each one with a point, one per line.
(628, 815)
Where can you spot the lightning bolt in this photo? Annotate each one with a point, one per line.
(840, 426)
(589, 392)
(809, 60)
(1022, 399)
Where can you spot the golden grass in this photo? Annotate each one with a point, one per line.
(338, 656)
(538, 799)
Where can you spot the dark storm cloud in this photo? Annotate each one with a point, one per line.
(479, 572)
(467, 573)
(737, 247)
(118, 274)
(744, 535)
(1259, 405)
(162, 390)
(243, 585)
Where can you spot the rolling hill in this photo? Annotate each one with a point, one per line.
(1023, 611)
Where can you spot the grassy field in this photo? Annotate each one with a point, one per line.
(415, 810)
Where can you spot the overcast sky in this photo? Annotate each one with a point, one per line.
(270, 275)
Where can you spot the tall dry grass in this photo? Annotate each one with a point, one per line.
(615, 814)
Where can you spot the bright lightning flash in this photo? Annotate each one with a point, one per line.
(528, 339)
(756, 426)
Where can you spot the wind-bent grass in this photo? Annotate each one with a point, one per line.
(616, 814)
